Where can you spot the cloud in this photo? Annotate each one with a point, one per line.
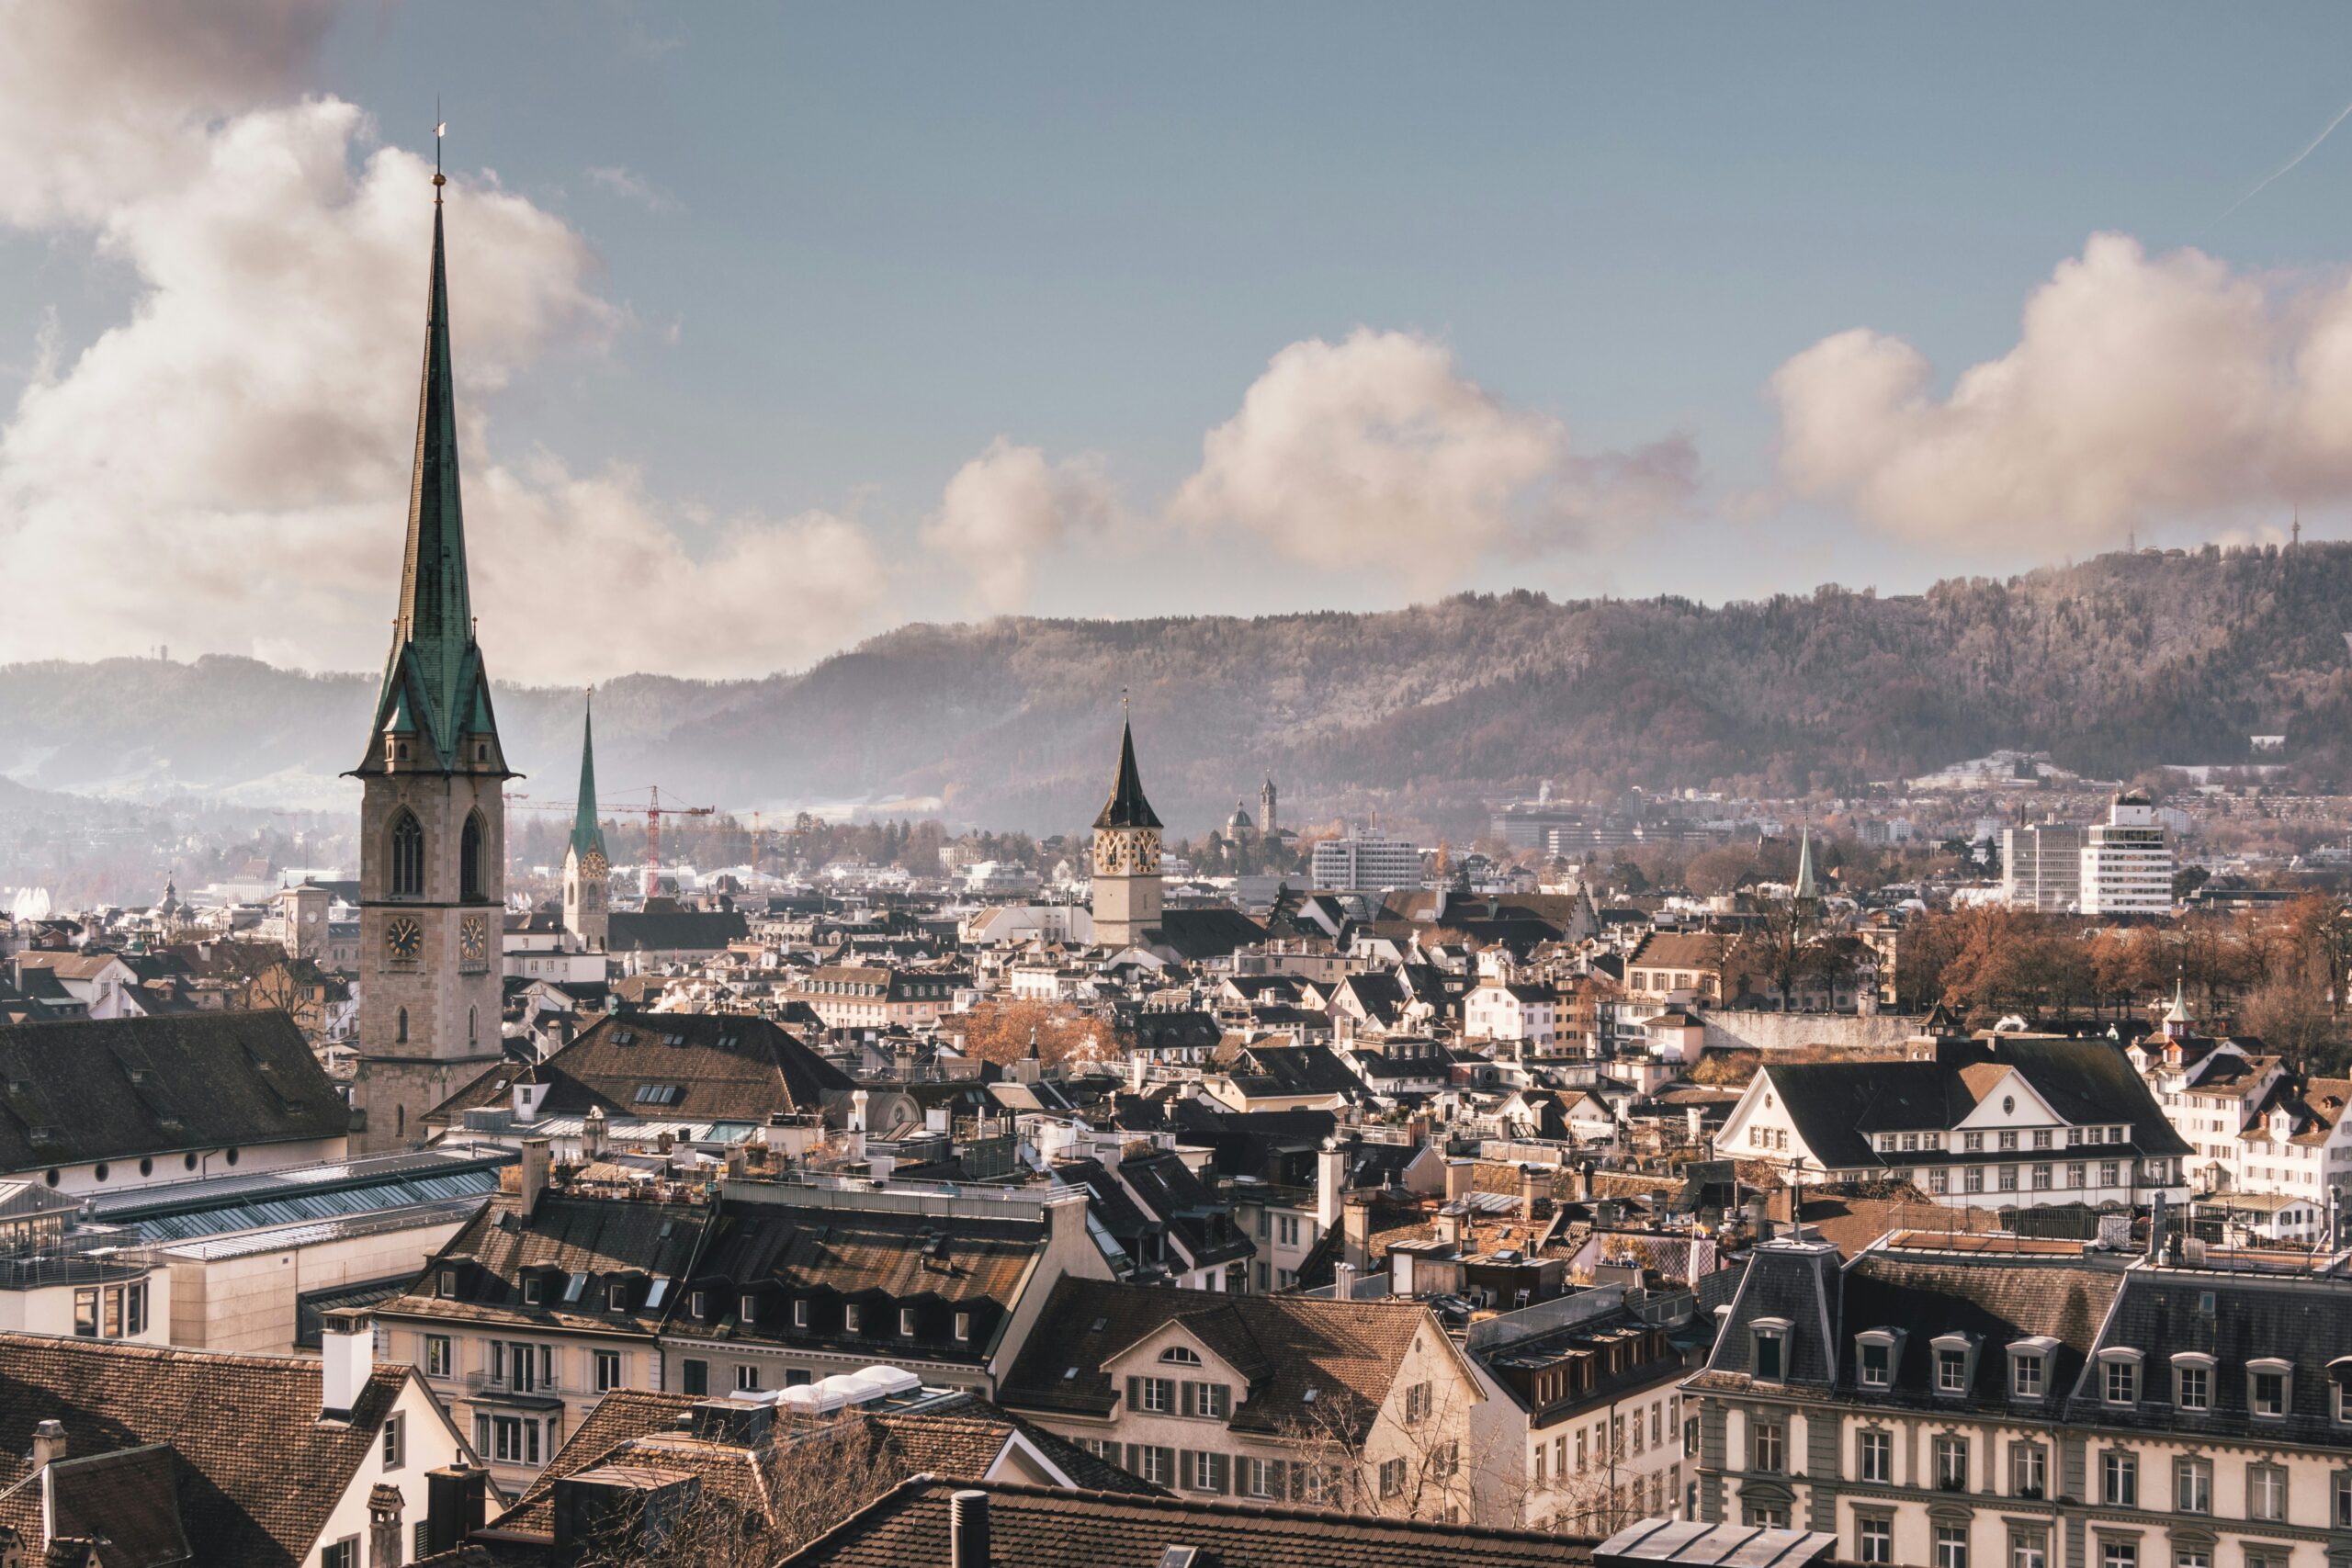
(1375, 451)
(226, 468)
(1008, 506)
(622, 183)
(2141, 390)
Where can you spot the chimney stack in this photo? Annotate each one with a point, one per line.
(537, 1154)
(1343, 1282)
(347, 1358)
(1355, 1246)
(1534, 1192)
(455, 1501)
(967, 1529)
(2156, 1229)
(49, 1444)
(1330, 1177)
(1457, 1178)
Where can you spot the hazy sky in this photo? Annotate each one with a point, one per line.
(778, 326)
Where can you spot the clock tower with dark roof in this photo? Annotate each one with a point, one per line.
(1127, 856)
(431, 819)
(587, 870)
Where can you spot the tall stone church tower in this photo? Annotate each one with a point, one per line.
(587, 871)
(1266, 809)
(432, 823)
(1127, 856)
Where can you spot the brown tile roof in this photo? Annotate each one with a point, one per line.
(604, 1238)
(1038, 1527)
(116, 1088)
(257, 1473)
(1347, 1353)
(725, 1066)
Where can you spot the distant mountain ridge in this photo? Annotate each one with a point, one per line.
(2113, 665)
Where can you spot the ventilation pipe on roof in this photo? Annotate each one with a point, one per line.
(967, 1529)
(347, 1359)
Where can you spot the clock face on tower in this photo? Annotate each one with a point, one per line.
(473, 938)
(403, 938)
(594, 865)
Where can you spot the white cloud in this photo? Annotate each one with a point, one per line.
(226, 468)
(1376, 451)
(2141, 389)
(1008, 506)
(620, 182)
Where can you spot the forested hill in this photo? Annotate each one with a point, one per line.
(2112, 666)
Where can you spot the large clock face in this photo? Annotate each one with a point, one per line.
(594, 865)
(473, 938)
(403, 938)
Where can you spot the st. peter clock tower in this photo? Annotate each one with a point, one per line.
(1126, 886)
(432, 823)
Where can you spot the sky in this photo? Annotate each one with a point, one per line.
(777, 326)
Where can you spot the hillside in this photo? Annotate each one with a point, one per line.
(2114, 665)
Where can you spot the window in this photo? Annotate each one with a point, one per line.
(1391, 1478)
(469, 859)
(1207, 1472)
(2265, 1392)
(1213, 1401)
(514, 1439)
(2117, 1553)
(2025, 1376)
(850, 1316)
(1951, 1371)
(2192, 1385)
(2077, 1175)
(2118, 1473)
(1771, 1436)
(2028, 1549)
(2029, 1470)
(1874, 1541)
(1951, 1463)
(906, 1323)
(1877, 1453)
(2192, 1485)
(2122, 1381)
(963, 1325)
(2009, 1140)
(1157, 1395)
(1771, 1343)
(2343, 1499)
(407, 856)
(531, 1291)
(1951, 1546)
(1262, 1478)
(608, 1370)
(395, 1441)
(1416, 1404)
(438, 1361)
(1973, 1142)
(1972, 1179)
(2041, 1179)
(1877, 1362)
(2265, 1492)
(697, 1377)
(2041, 1137)
(343, 1553)
(616, 1297)
(2008, 1178)
(747, 1378)
(2110, 1174)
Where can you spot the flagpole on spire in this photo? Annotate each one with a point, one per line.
(440, 129)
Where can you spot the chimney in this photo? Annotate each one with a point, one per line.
(347, 1358)
(2156, 1229)
(967, 1529)
(1356, 1217)
(1343, 1282)
(1457, 1178)
(535, 1156)
(857, 1111)
(454, 1506)
(1330, 1177)
(1534, 1192)
(49, 1444)
(591, 1133)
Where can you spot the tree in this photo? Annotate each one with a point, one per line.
(999, 1032)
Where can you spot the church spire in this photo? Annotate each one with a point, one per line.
(435, 692)
(1806, 891)
(1128, 808)
(587, 832)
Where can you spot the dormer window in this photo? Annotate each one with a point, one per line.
(448, 1283)
(800, 1313)
(2267, 1387)
(963, 1325)
(748, 1308)
(1875, 1353)
(698, 1303)
(2192, 1382)
(1955, 1364)
(531, 1291)
(2119, 1376)
(2030, 1366)
(906, 1323)
(1770, 1350)
(616, 1297)
(852, 1317)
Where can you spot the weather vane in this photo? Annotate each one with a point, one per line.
(440, 129)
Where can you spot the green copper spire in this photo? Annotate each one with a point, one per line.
(587, 833)
(434, 687)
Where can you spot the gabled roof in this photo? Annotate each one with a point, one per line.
(573, 1246)
(257, 1473)
(1127, 807)
(724, 1066)
(117, 1088)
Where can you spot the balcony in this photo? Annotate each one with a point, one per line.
(482, 1389)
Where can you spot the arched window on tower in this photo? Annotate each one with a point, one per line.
(473, 1026)
(470, 858)
(402, 1037)
(408, 856)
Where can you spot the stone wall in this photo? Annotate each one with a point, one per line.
(1742, 1029)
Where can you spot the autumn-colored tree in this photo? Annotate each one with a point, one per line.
(999, 1032)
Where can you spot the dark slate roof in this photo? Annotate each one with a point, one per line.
(725, 1066)
(2235, 1318)
(1294, 1069)
(1838, 1105)
(1046, 1528)
(594, 1240)
(675, 931)
(1166, 1186)
(1997, 1300)
(1128, 808)
(1196, 934)
(1795, 1281)
(117, 1088)
(257, 1473)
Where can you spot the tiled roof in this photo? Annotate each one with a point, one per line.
(257, 1473)
(1038, 1527)
(116, 1088)
(724, 1066)
(599, 1239)
(1205, 933)
(1347, 1353)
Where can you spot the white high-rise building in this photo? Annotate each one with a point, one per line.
(2041, 866)
(1366, 865)
(2127, 861)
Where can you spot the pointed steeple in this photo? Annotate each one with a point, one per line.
(434, 690)
(1128, 808)
(1806, 891)
(587, 832)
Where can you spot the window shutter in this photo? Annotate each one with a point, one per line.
(1190, 1391)
(1135, 1455)
(1135, 1393)
(1220, 1473)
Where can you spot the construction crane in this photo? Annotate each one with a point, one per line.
(653, 811)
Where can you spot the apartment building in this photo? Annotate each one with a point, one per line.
(2041, 866)
(2127, 861)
